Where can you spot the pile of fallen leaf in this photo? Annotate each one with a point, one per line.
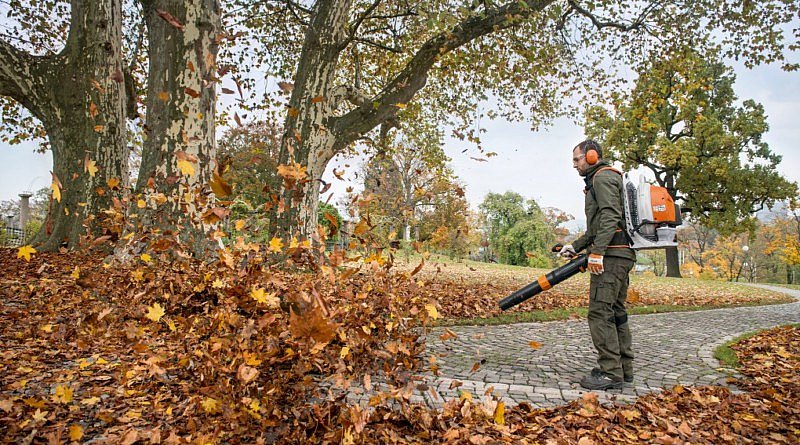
(151, 348)
(164, 350)
(474, 290)
(768, 413)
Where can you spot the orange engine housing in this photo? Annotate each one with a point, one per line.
(662, 203)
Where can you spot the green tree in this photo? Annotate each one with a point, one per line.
(683, 123)
(518, 231)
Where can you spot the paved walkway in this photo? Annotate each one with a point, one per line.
(671, 348)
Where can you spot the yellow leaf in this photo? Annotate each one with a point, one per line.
(535, 344)
(25, 252)
(400, 106)
(186, 167)
(91, 167)
(155, 312)
(146, 258)
(47, 328)
(239, 224)
(141, 203)
(91, 401)
(276, 245)
(251, 358)
(171, 325)
(99, 128)
(210, 406)
(63, 394)
(500, 414)
(293, 244)
(345, 350)
(76, 273)
(218, 284)
(258, 294)
(56, 191)
(163, 95)
(75, 433)
(432, 311)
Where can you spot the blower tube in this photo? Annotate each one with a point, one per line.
(546, 281)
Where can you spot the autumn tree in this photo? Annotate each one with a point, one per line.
(250, 154)
(697, 238)
(70, 77)
(180, 147)
(357, 66)
(682, 121)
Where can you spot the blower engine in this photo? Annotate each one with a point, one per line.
(651, 220)
(651, 216)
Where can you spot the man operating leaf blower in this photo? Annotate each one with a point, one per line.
(610, 260)
(620, 217)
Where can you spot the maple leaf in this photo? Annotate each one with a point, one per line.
(25, 252)
(112, 183)
(40, 415)
(91, 167)
(432, 311)
(186, 167)
(155, 312)
(55, 185)
(75, 433)
(146, 258)
(276, 245)
(63, 394)
(239, 225)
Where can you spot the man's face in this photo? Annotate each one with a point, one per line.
(579, 161)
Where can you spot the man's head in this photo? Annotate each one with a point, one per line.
(579, 158)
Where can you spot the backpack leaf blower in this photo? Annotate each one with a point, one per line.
(651, 220)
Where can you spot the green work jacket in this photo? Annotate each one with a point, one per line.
(605, 215)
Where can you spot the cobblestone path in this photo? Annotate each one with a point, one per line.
(671, 348)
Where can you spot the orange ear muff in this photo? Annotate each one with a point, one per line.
(592, 157)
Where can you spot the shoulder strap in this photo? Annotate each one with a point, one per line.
(591, 188)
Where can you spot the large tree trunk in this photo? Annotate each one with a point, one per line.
(79, 95)
(308, 139)
(180, 146)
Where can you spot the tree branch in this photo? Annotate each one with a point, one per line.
(413, 77)
(600, 24)
(19, 77)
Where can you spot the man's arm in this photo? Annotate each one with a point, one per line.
(610, 211)
(580, 243)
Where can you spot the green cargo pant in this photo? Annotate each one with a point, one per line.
(608, 319)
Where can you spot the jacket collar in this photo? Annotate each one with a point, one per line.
(592, 170)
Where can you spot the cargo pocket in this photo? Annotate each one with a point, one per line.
(606, 289)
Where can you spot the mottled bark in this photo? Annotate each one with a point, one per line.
(79, 95)
(180, 112)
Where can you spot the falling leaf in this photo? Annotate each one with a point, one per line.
(286, 86)
(400, 106)
(317, 99)
(535, 344)
(155, 312)
(93, 110)
(276, 245)
(56, 187)
(186, 167)
(448, 335)
(432, 311)
(99, 128)
(169, 18)
(141, 203)
(194, 94)
(112, 183)
(25, 252)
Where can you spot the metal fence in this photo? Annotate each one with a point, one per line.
(12, 237)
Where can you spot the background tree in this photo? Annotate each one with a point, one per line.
(448, 224)
(358, 64)
(251, 155)
(682, 122)
(518, 230)
(727, 256)
(696, 239)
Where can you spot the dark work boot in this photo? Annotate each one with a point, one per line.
(628, 378)
(600, 381)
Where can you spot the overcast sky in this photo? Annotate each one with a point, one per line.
(535, 164)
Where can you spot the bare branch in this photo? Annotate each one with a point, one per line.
(378, 45)
(600, 24)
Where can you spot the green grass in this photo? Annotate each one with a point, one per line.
(727, 356)
(566, 313)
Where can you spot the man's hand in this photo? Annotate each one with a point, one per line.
(568, 252)
(595, 264)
